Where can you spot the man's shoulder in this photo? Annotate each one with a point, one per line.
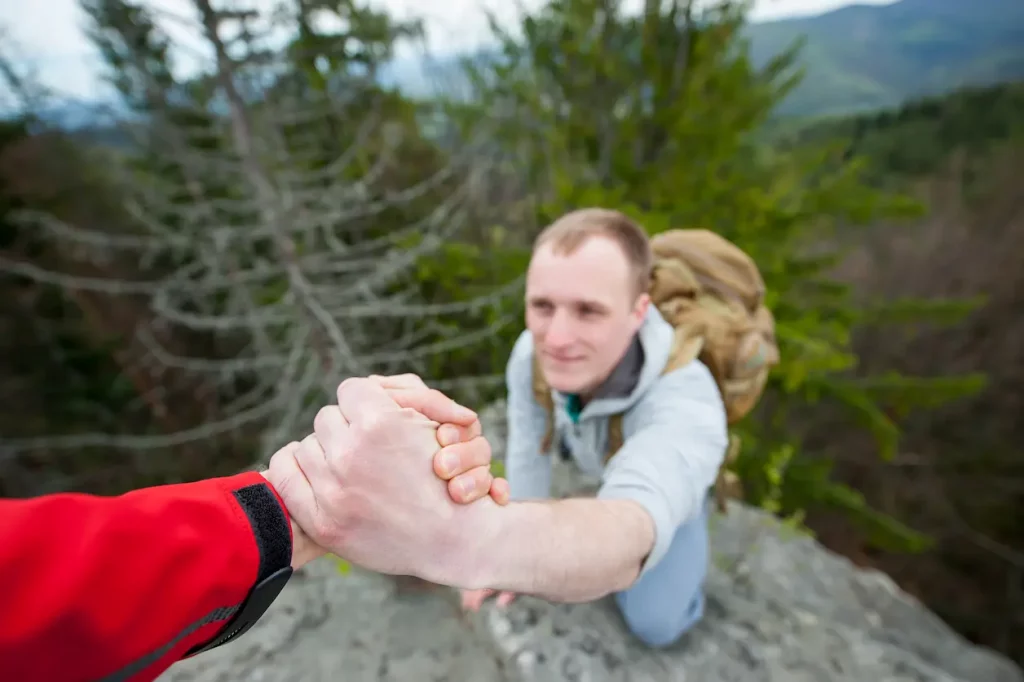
(691, 382)
(684, 398)
(519, 367)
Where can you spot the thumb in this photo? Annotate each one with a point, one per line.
(433, 405)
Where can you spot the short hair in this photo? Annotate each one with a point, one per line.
(570, 231)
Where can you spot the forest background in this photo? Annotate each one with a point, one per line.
(188, 272)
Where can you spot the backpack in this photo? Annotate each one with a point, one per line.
(712, 293)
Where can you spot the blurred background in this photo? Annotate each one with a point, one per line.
(212, 211)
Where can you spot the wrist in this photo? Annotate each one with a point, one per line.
(501, 558)
(304, 549)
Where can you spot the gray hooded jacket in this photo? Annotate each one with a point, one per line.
(674, 431)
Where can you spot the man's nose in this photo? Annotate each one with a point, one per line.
(559, 331)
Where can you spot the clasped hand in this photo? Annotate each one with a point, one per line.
(387, 478)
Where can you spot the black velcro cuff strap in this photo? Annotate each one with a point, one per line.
(272, 533)
(270, 527)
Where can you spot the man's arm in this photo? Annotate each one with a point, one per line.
(122, 587)
(570, 550)
(583, 549)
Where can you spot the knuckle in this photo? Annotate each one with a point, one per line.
(324, 531)
(373, 424)
(289, 448)
(481, 450)
(321, 420)
(350, 385)
(307, 447)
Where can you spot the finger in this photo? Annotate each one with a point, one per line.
(288, 448)
(295, 489)
(364, 400)
(505, 598)
(500, 491)
(459, 458)
(473, 599)
(408, 380)
(311, 460)
(470, 486)
(434, 405)
(449, 434)
(331, 428)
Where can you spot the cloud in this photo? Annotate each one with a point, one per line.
(49, 37)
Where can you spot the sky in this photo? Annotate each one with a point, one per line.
(48, 34)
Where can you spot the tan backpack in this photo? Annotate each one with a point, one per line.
(712, 293)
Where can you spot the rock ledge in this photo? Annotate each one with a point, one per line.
(780, 608)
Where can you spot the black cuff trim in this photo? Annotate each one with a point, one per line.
(269, 525)
(272, 533)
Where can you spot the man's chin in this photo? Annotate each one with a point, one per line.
(565, 381)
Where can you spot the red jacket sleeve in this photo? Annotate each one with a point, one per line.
(119, 588)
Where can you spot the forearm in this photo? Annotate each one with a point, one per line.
(569, 550)
(134, 582)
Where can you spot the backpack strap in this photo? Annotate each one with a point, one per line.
(542, 394)
(727, 483)
(615, 437)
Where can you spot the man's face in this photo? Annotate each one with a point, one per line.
(583, 311)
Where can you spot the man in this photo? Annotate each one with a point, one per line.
(119, 588)
(602, 348)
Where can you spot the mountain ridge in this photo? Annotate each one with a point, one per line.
(857, 58)
(867, 57)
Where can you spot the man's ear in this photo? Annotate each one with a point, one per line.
(640, 308)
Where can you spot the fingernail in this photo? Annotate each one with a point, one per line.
(464, 412)
(447, 435)
(466, 486)
(449, 462)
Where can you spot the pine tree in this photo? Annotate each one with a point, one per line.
(281, 209)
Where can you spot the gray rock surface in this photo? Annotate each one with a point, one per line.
(356, 627)
(780, 608)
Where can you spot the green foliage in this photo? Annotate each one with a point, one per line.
(655, 114)
(919, 137)
(466, 272)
